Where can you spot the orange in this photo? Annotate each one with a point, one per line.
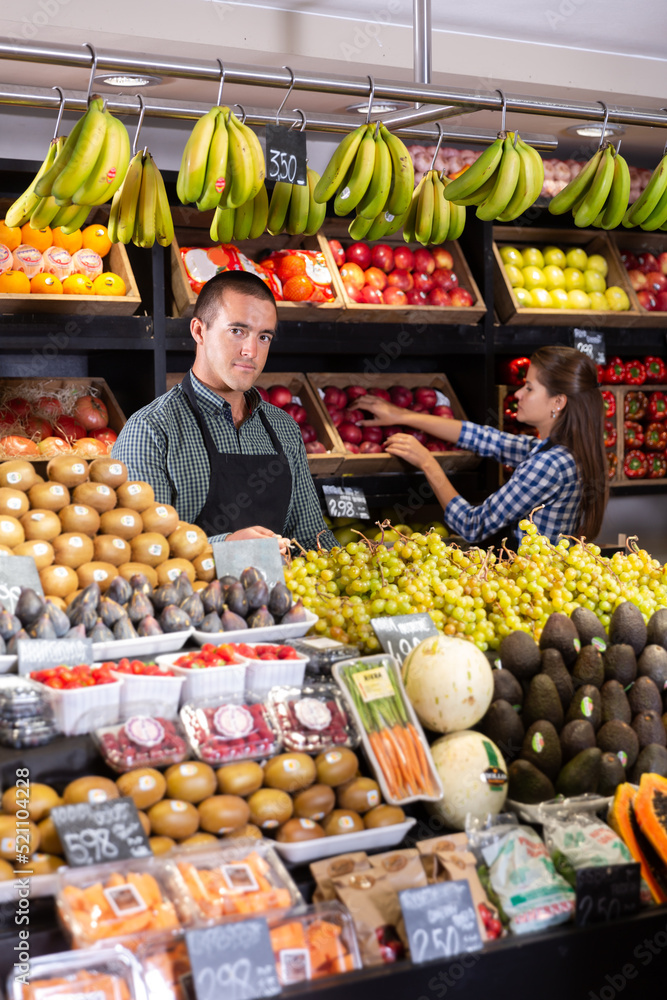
(47, 284)
(289, 265)
(97, 238)
(14, 282)
(109, 283)
(70, 243)
(77, 284)
(11, 237)
(41, 239)
(298, 288)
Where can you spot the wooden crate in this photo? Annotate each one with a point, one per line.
(619, 392)
(193, 231)
(451, 461)
(507, 306)
(359, 312)
(318, 417)
(637, 241)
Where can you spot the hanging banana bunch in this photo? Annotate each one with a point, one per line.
(140, 209)
(248, 221)
(650, 210)
(293, 208)
(431, 218)
(598, 195)
(223, 163)
(20, 212)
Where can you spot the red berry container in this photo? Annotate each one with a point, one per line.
(222, 731)
(312, 719)
(142, 741)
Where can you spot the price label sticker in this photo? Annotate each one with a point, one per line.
(285, 155)
(17, 572)
(345, 501)
(591, 343)
(94, 832)
(234, 961)
(440, 921)
(374, 683)
(606, 892)
(399, 635)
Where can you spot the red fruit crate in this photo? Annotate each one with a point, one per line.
(637, 241)
(622, 449)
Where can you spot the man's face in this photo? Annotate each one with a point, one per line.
(232, 351)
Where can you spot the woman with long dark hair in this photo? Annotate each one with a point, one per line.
(563, 472)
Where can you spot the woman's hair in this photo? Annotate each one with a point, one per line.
(579, 426)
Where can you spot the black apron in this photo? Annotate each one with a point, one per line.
(244, 490)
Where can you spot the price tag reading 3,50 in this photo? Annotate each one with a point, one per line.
(285, 155)
(345, 501)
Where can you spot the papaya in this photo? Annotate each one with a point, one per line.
(650, 811)
(622, 819)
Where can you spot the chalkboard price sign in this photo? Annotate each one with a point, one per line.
(40, 654)
(400, 634)
(440, 921)
(17, 572)
(231, 558)
(95, 832)
(345, 501)
(234, 961)
(606, 892)
(285, 155)
(590, 343)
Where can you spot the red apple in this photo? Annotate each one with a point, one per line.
(443, 258)
(263, 393)
(359, 253)
(372, 295)
(352, 416)
(461, 297)
(354, 392)
(105, 434)
(393, 296)
(336, 417)
(308, 432)
(404, 259)
(370, 448)
(423, 281)
(381, 393)
(350, 446)
(337, 252)
(417, 298)
(19, 407)
(439, 297)
(647, 299)
(71, 429)
(48, 406)
(52, 446)
(662, 261)
(353, 292)
(419, 435)
(398, 278)
(372, 434)
(424, 262)
(334, 397)
(315, 448)
(443, 411)
(647, 262)
(400, 396)
(350, 432)
(435, 446)
(388, 432)
(661, 302)
(637, 279)
(296, 412)
(280, 395)
(376, 278)
(629, 259)
(353, 274)
(7, 421)
(656, 281)
(443, 278)
(382, 256)
(425, 396)
(37, 428)
(418, 408)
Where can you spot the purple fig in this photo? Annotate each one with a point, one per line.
(164, 595)
(262, 618)
(76, 632)
(227, 580)
(12, 645)
(84, 615)
(124, 629)
(119, 590)
(236, 600)
(9, 624)
(194, 609)
(139, 607)
(173, 619)
(100, 632)
(280, 600)
(149, 626)
(59, 619)
(250, 575)
(297, 613)
(140, 582)
(211, 597)
(110, 611)
(183, 587)
(88, 598)
(42, 628)
(29, 606)
(232, 622)
(257, 594)
(212, 623)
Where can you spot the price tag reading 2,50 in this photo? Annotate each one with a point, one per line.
(285, 155)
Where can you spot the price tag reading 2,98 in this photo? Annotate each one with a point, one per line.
(398, 635)
(285, 155)
(345, 501)
(234, 961)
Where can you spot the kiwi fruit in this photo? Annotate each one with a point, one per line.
(121, 521)
(315, 802)
(70, 470)
(290, 772)
(11, 531)
(173, 818)
(145, 786)
(160, 517)
(360, 794)
(169, 571)
(130, 569)
(187, 541)
(200, 839)
(41, 552)
(204, 567)
(335, 767)
(101, 573)
(342, 821)
(73, 549)
(5, 550)
(242, 778)
(99, 496)
(18, 474)
(135, 495)
(80, 517)
(161, 845)
(248, 831)
(49, 840)
(111, 549)
(192, 781)
(296, 830)
(149, 547)
(8, 837)
(109, 471)
(145, 822)
(42, 524)
(58, 581)
(270, 808)
(6, 871)
(49, 496)
(90, 789)
(13, 502)
(41, 801)
(223, 813)
(383, 815)
(45, 864)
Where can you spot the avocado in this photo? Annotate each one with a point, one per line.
(586, 704)
(527, 784)
(560, 633)
(554, 667)
(619, 738)
(576, 736)
(581, 774)
(518, 653)
(612, 774)
(652, 759)
(589, 627)
(649, 729)
(627, 626)
(589, 668)
(503, 725)
(506, 687)
(644, 696)
(656, 630)
(620, 664)
(615, 704)
(542, 702)
(653, 663)
(541, 747)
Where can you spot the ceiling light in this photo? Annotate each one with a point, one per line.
(120, 80)
(379, 107)
(593, 131)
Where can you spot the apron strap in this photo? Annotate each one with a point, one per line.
(186, 385)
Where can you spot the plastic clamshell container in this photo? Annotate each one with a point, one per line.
(78, 711)
(269, 633)
(122, 899)
(322, 652)
(142, 691)
(314, 943)
(142, 741)
(166, 966)
(98, 973)
(312, 718)
(225, 730)
(26, 713)
(262, 675)
(388, 670)
(207, 682)
(304, 851)
(242, 877)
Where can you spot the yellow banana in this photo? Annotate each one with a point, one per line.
(129, 199)
(316, 211)
(424, 216)
(144, 226)
(112, 225)
(66, 214)
(75, 221)
(84, 155)
(337, 166)
(377, 193)
(44, 213)
(359, 227)
(350, 195)
(192, 172)
(403, 174)
(164, 224)
(45, 183)
(411, 214)
(260, 213)
(396, 222)
(19, 213)
(507, 176)
(380, 226)
(441, 211)
(243, 221)
(299, 206)
(529, 184)
(241, 167)
(641, 209)
(110, 167)
(598, 192)
(457, 221)
(577, 188)
(216, 164)
(477, 173)
(616, 204)
(257, 156)
(279, 207)
(222, 227)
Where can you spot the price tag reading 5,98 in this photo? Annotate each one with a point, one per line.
(285, 155)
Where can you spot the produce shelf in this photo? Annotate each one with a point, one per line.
(637, 242)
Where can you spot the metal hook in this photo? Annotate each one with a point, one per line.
(142, 112)
(618, 148)
(222, 82)
(604, 123)
(371, 95)
(289, 91)
(243, 111)
(93, 69)
(503, 110)
(60, 112)
(303, 121)
(438, 145)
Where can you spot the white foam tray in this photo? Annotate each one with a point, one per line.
(272, 633)
(312, 850)
(145, 645)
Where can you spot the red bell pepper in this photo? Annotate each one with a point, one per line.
(635, 465)
(635, 405)
(602, 374)
(514, 371)
(634, 373)
(510, 407)
(612, 459)
(610, 434)
(656, 369)
(656, 437)
(609, 400)
(657, 467)
(657, 406)
(633, 434)
(615, 373)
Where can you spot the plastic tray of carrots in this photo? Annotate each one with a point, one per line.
(125, 899)
(102, 974)
(392, 736)
(235, 879)
(166, 966)
(317, 942)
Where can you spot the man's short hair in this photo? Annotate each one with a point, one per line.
(213, 292)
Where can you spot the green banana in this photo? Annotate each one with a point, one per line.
(129, 199)
(144, 226)
(457, 221)
(243, 221)
(338, 165)
(658, 216)
(507, 176)
(377, 192)
(403, 174)
(241, 164)
(350, 194)
(223, 220)
(192, 172)
(164, 224)
(112, 224)
(640, 210)
(380, 226)
(395, 223)
(359, 227)
(316, 211)
(44, 213)
(84, 156)
(577, 188)
(411, 214)
(19, 213)
(299, 205)
(66, 214)
(598, 192)
(424, 216)
(260, 213)
(45, 184)
(216, 165)
(75, 221)
(616, 204)
(279, 207)
(257, 158)
(477, 173)
(441, 212)
(110, 167)
(481, 194)
(529, 184)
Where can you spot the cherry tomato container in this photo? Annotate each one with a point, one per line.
(312, 719)
(155, 693)
(79, 710)
(263, 671)
(142, 741)
(202, 679)
(224, 730)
